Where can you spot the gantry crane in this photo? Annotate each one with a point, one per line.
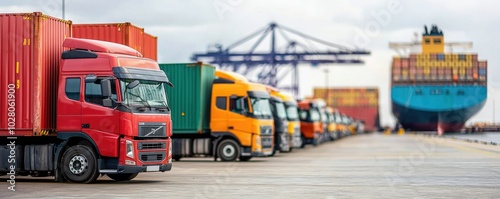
(289, 56)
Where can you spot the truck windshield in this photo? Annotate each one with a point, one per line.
(280, 109)
(338, 119)
(346, 120)
(332, 117)
(315, 115)
(324, 117)
(261, 107)
(291, 113)
(147, 93)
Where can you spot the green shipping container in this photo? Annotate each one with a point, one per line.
(190, 98)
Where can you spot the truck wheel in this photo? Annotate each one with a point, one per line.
(79, 164)
(303, 139)
(177, 158)
(122, 176)
(245, 158)
(316, 141)
(228, 150)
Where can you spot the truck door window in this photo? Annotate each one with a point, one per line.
(238, 105)
(73, 88)
(220, 102)
(93, 93)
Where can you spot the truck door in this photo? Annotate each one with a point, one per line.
(69, 110)
(238, 123)
(98, 121)
(219, 114)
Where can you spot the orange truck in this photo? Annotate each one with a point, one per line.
(310, 122)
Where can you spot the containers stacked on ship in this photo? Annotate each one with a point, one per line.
(434, 90)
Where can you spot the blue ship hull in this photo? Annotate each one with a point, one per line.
(431, 108)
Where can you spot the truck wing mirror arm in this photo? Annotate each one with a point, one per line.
(170, 84)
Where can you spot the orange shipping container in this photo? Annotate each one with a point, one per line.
(122, 33)
(150, 47)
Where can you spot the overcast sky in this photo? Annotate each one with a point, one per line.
(187, 26)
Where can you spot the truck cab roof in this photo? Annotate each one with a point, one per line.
(99, 46)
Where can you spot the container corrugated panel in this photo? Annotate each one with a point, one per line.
(150, 47)
(31, 47)
(122, 33)
(190, 99)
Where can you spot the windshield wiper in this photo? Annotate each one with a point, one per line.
(165, 106)
(146, 103)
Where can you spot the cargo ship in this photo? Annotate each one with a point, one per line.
(434, 90)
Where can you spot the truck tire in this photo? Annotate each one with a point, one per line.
(122, 176)
(228, 150)
(303, 144)
(245, 158)
(79, 164)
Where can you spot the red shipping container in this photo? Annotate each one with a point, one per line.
(433, 56)
(405, 63)
(150, 47)
(122, 33)
(483, 64)
(31, 46)
(396, 63)
(370, 115)
(413, 63)
(474, 57)
(434, 71)
(413, 57)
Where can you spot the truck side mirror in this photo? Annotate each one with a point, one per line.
(133, 84)
(107, 102)
(91, 78)
(106, 88)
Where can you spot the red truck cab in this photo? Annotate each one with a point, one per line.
(113, 101)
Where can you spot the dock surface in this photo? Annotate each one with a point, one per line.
(362, 166)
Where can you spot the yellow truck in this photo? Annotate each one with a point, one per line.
(219, 114)
(290, 126)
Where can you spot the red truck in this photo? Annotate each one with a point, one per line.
(78, 108)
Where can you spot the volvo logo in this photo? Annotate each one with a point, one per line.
(153, 131)
(266, 131)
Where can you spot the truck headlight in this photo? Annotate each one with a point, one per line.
(258, 141)
(130, 148)
(170, 149)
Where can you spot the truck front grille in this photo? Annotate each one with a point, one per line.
(296, 130)
(267, 142)
(151, 145)
(152, 129)
(266, 130)
(152, 156)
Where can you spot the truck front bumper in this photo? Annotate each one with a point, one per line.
(262, 154)
(144, 168)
